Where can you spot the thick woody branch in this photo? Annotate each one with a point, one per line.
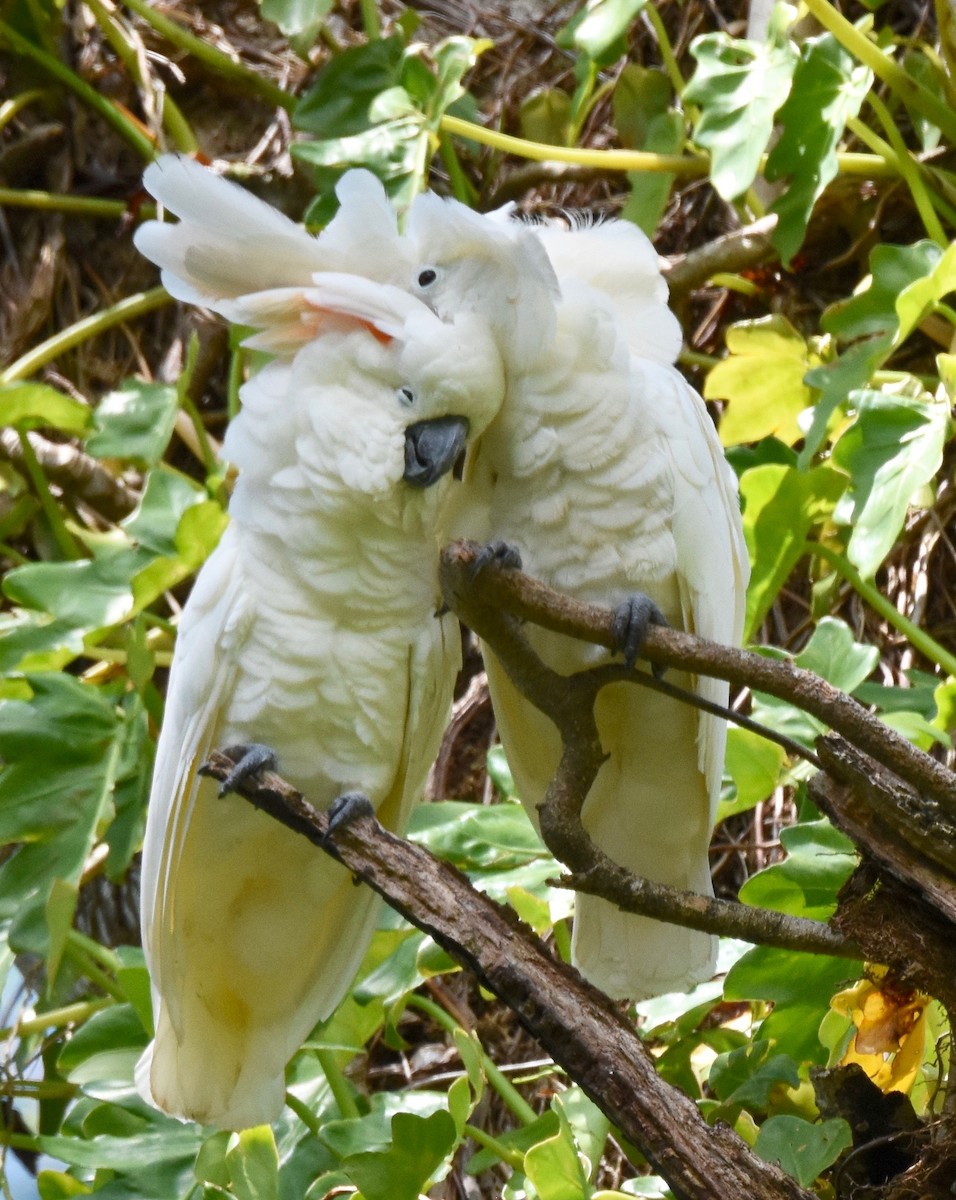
(76, 473)
(569, 702)
(528, 600)
(576, 1024)
(747, 247)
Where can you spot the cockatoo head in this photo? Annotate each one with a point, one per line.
(498, 270)
(395, 400)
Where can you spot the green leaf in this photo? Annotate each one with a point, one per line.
(104, 1048)
(36, 405)
(918, 299)
(762, 380)
(521, 1139)
(88, 594)
(166, 496)
(343, 97)
(254, 1165)
(599, 28)
(781, 506)
(754, 764)
(402, 1172)
(554, 1167)
(829, 87)
(545, 116)
(749, 1075)
(454, 57)
(644, 116)
(803, 1149)
(819, 861)
(891, 451)
(833, 653)
(297, 18)
(872, 311)
(738, 86)
(135, 422)
(197, 535)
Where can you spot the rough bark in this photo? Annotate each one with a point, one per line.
(575, 1023)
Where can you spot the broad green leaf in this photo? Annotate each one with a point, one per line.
(599, 28)
(253, 1163)
(521, 1139)
(37, 405)
(166, 496)
(588, 1124)
(762, 380)
(829, 87)
(545, 116)
(748, 1076)
(88, 594)
(920, 297)
(803, 1149)
(500, 772)
(341, 101)
(135, 422)
(104, 1047)
(554, 1167)
(833, 653)
(872, 311)
(402, 1172)
(169, 1142)
(297, 18)
(754, 764)
(644, 116)
(454, 57)
(890, 452)
(819, 861)
(197, 535)
(477, 835)
(800, 985)
(781, 506)
(57, 1185)
(738, 86)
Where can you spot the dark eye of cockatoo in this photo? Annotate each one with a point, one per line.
(427, 277)
(406, 397)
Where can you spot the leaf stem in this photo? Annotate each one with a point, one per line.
(216, 60)
(10, 108)
(668, 58)
(51, 510)
(370, 19)
(339, 1086)
(87, 206)
(124, 126)
(303, 1112)
(514, 1158)
(58, 1018)
(919, 638)
(884, 67)
(910, 171)
(125, 310)
(687, 165)
(502, 1085)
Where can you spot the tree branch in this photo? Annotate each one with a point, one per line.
(579, 1026)
(528, 600)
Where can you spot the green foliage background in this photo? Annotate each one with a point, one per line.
(832, 370)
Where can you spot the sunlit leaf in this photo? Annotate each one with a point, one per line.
(135, 422)
(37, 405)
(754, 764)
(818, 863)
(599, 28)
(801, 1148)
(738, 86)
(762, 380)
(253, 1163)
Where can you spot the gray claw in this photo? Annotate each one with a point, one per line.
(251, 759)
(496, 551)
(347, 808)
(632, 619)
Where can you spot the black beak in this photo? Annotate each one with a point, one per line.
(432, 448)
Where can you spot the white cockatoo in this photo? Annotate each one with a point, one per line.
(604, 471)
(311, 629)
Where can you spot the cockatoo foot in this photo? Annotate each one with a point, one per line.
(632, 619)
(250, 760)
(496, 551)
(347, 808)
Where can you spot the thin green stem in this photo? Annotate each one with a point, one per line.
(127, 129)
(126, 51)
(39, 1089)
(126, 310)
(215, 59)
(910, 171)
(919, 638)
(16, 104)
(58, 1018)
(209, 460)
(460, 184)
(51, 510)
(697, 165)
(20, 1141)
(339, 1086)
(87, 206)
(371, 22)
(84, 961)
(650, 14)
(498, 1080)
(514, 1158)
(303, 1112)
(884, 67)
(96, 950)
